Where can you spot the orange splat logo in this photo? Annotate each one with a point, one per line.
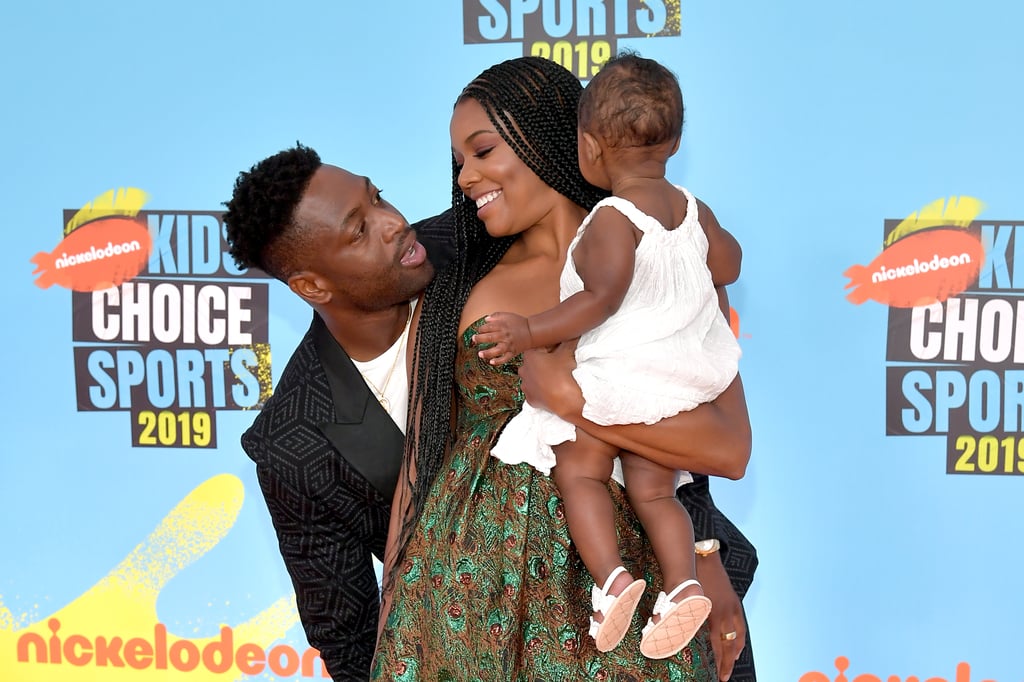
(103, 246)
(734, 322)
(929, 257)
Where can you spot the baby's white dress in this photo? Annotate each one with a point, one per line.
(667, 348)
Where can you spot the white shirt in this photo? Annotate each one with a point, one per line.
(387, 376)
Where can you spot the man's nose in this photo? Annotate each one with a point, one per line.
(393, 226)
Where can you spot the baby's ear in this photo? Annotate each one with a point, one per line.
(591, 147)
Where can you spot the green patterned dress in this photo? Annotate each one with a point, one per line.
(492, 588)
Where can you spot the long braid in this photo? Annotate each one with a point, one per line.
(532, 103)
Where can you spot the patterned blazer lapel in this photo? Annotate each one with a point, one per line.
(363, 432)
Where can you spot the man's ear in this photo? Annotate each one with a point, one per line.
(310, 287)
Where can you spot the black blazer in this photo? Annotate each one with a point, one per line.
(327, 458)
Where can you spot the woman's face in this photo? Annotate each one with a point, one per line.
(509, 197)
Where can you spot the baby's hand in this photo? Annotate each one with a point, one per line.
(508, 335)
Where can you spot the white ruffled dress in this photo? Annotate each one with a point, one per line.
(667, 349)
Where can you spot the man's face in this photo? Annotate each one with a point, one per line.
(361, 250)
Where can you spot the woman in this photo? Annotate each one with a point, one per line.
(483, 578)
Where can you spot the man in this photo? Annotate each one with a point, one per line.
(328, 444)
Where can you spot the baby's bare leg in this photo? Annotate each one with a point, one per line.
(650, 488)
(681, 608)
(581, 472)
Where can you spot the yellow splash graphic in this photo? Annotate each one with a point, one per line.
(673, 23)
(127, 201)
(112, 632)
(673, 18)
(957, 211)
(262, 352)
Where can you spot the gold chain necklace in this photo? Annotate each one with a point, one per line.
(380, 392)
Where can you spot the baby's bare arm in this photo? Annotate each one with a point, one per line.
(604, 260)
(724, 252)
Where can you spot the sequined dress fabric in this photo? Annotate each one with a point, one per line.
(491, 587)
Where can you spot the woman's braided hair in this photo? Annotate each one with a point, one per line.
(532, 103)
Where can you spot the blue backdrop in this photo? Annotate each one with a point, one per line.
(887, 553)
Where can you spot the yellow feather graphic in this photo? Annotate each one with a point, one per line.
(953, 212)
(126, 201)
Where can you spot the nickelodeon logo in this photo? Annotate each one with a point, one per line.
(103, 245)
(842, 663)
(929, 256)
(219, 655)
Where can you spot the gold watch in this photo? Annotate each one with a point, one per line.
(706, 547)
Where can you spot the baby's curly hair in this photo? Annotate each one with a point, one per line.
(633, 102)
(261, 231)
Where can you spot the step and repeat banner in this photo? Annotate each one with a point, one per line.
(867, 157)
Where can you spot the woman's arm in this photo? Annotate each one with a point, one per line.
(714, 438)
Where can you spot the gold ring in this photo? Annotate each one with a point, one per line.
(729, 636)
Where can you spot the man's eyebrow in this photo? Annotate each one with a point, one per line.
(355, 209)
